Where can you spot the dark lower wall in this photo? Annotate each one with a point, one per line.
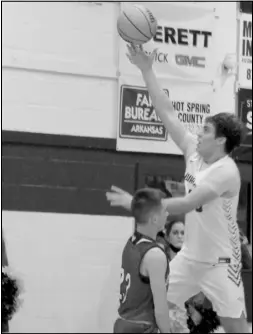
(65, 174)
(54, 173)
(66, 180)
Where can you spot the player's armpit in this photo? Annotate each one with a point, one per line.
(198, 197)
(155, 264)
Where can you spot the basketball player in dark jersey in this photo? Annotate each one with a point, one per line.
(143, 302)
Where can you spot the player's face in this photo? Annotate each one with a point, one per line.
(176, 237)
(208, 143)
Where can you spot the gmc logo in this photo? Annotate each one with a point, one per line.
(183, 60)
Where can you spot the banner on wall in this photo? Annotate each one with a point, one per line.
(245, 113)
(245, 51)
(139, 127)
(185, 43)
(138, 119)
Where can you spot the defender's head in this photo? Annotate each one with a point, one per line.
(221, 133)
(147, 208)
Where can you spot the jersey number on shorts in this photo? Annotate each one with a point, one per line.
(125, 283)
(200, 209)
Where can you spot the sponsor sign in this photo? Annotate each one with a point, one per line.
(245, 113)
(138, 119)
(245, 51)
(139, 127)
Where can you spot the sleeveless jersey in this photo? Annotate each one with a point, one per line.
(136, 299)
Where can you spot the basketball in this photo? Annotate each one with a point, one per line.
(136, 24)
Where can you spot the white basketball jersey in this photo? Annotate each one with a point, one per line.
(211, 232)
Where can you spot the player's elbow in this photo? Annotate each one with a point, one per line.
(189, 205)
(175, 206)
(183, 206)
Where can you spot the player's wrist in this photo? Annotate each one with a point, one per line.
(147, 70)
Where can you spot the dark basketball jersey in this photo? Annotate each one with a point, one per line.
(136, 299)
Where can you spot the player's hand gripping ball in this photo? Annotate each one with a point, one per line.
(136, 24)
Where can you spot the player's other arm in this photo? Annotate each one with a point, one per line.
(161, 102)
(204, 193)
(220, 181)
(201, 195)
(155, 264)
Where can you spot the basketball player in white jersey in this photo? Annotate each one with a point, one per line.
(210, 260)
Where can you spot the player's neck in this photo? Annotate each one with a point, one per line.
(146, 231)
(214, 157)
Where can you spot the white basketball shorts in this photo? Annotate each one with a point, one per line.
(221, 283)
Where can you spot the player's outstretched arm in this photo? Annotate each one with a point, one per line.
(119, 197)
(179, 205)
(195, 200)
(155, 264)
(162, 104)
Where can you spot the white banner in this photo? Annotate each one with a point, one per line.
(245, 51)
(185, 42)
(139, 128)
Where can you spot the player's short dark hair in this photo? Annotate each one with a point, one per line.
(146, 201)
(229, 126)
